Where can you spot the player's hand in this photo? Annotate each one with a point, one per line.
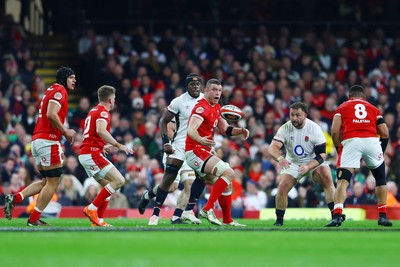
(168, 149)
(284, 163)
(207, 142)
(303, 169)
(126, 149)
(107, 149)
(70, 134)
(245, 133)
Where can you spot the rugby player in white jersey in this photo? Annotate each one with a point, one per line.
(305, 146)
(175, 167)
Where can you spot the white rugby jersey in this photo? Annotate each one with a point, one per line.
(182, 108)
(299, 143)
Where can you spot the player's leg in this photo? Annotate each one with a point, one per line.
(225, 201)
(52, 182)
(343, 180)
(348, 159)
(150, 194)
(50, 155)
(14, 199)
(30, 190)
(172, 167)
(323, 176)
(195, 193)
(101, 210)
(286, 183)
(224, 173)
(381, 194)
(187, 177)
(115, 182)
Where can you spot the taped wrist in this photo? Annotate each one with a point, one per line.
(229, 131)
(164, 138)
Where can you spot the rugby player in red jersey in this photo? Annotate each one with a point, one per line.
(96, 135)
(46, 147)
(355, 130)
(205, 118)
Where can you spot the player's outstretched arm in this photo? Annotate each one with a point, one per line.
(101, 129)
(229, 130)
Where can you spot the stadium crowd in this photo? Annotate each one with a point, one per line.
(262, 73)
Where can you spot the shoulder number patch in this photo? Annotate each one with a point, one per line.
(104, 114)
(58, 96)
(199, 110)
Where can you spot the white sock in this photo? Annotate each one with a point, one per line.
(174, 218)
(92, 207)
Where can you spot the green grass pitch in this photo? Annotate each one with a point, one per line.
(74, 243)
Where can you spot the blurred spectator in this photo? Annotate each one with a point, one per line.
(392, 194)
(69, 193)
(118, 201)
(72, 166)
(7, 169)
(254, 199)
(79, 115)
(358, 197)
(92, 190)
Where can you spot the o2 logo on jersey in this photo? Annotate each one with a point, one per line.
(299, 151)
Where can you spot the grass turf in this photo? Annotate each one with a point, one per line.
(72, 242)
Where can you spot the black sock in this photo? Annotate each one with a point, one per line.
(195, 192)
(160, 198)
(279, 215)
(331, 206)
(178, 213)
(151, 194)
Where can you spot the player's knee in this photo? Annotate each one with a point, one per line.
(344, 174)
(379, 175)
(57, 172)
(173, 187)
(223, 169)
(172, 169)
(119, 182)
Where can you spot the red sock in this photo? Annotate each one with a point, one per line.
(226, 203)
(382, 209)
(102, 209)
(338, 211)
(217, 189)
(35, 215)
(17, 198)
(101, 197)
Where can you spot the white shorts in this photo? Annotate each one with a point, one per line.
(185, 172)
(293, 170)
(95, 165)
(355, 149)
(47, 152)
